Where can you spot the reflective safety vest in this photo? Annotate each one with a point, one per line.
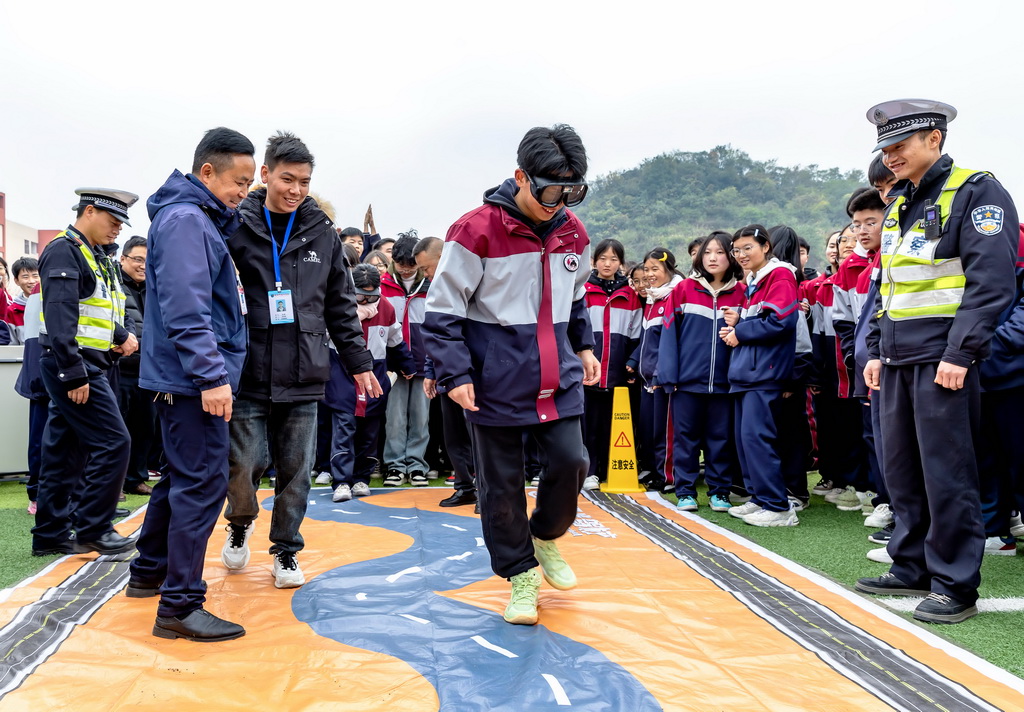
(101, 311)
(914, 284)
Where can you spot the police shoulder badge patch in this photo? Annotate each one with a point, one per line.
(988, 219)
(572, 262)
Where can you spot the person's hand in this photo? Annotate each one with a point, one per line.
(366, 384)
(731, 316)
(464, 395)
(217, 401)
(130, 346)
(368, 221)
(728, 335)
(873, 374)
(949, 376)
(79, 395)
(805, 306)
(430, 387)
(591, 367)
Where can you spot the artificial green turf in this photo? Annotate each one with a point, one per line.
(834, 543)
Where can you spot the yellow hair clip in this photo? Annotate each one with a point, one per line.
(663, 257)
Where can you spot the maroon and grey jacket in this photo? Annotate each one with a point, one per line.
(506, 312)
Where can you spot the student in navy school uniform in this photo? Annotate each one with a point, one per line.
(694, 362)
(662, 277)
(615, 314)
(357, 420)
(763, 335)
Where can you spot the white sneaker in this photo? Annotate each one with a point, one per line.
(535, 482)
(766, 518)
(744, 509)
(833, 494)
(866, 507)
(361, 489)
(287, 573)
(880, 518)
(1000, 546)
(235, 554)
(1016, 525)
(342, 493)
(797, 504)
(881, 555)
(324, 478)
(591, 483)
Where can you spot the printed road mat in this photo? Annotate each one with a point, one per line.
(401, 612)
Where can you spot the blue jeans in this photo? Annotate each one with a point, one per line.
(291, 428)
(408, 414)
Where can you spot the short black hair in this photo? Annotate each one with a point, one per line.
(133, 242)
(379, 255)
(553, 152)
(403, 249)
(425, 244)
(759, 233)
(27, 264)
(665, 256)
(365, 277)
(286, 147)
(381, 241)
(864, 199)
(877, 172)
(612, 244)
(786, 246)
(924, 133)
(695, 243)
(218, 147)
(351, 232)
(804, 245)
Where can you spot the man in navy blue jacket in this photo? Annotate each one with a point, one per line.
(193, 360)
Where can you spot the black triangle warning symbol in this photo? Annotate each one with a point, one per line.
(622, 441)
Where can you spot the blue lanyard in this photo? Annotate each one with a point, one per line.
(277, 253)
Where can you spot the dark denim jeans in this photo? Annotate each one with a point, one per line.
(291, 429)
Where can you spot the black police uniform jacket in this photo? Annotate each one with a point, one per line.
(291, 362)
(988, 262)
(134, 309)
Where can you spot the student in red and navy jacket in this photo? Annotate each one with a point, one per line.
(694, 361)
(661, 277)
(764, 337)
(408, 413)
(356, 421)
(615, 315)
(511, 342)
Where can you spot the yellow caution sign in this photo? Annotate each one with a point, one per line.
(622, 472)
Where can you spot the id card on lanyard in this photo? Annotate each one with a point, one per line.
(282, 311)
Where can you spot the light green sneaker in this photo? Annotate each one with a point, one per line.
(556, 571)
(848, 501)
(522, 605)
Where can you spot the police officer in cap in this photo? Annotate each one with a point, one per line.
(85, 445)
(949, 242)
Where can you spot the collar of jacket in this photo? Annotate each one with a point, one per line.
(706, 286)
(307, 216)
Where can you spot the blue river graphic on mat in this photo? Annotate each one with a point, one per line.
(472, 657)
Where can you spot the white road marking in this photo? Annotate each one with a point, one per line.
(360, 596)
(556, 687)
(424, 621)
(312, 501)
(394, 517)
(484, 643)
(906, 604)
(459, 557)
(479, 541)
(452, 526)
(344, 511)
(411, 570)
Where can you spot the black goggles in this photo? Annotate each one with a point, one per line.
(365, 298)
(551, 194)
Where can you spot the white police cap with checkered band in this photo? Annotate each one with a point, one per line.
(115, 202)
(900, 118)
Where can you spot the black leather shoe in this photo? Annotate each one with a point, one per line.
(120, 512)
(200, 625)
(939, 608)
(476, 509)
(109, 543)
(141, 589)
(459, 498)
(61, 549)
(887, 585)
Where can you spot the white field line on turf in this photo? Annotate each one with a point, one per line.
(982, 666)
(906, 604)
(411, 570)
(484, 643)
(6, 593)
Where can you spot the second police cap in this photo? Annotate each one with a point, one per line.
(900, 118)
(115, 202)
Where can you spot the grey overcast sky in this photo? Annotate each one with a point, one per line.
(418, 107)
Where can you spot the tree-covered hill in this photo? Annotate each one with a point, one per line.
(672, 198)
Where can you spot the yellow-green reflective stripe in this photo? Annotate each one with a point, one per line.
(925, 285)
(937, 297)
(904, 272)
